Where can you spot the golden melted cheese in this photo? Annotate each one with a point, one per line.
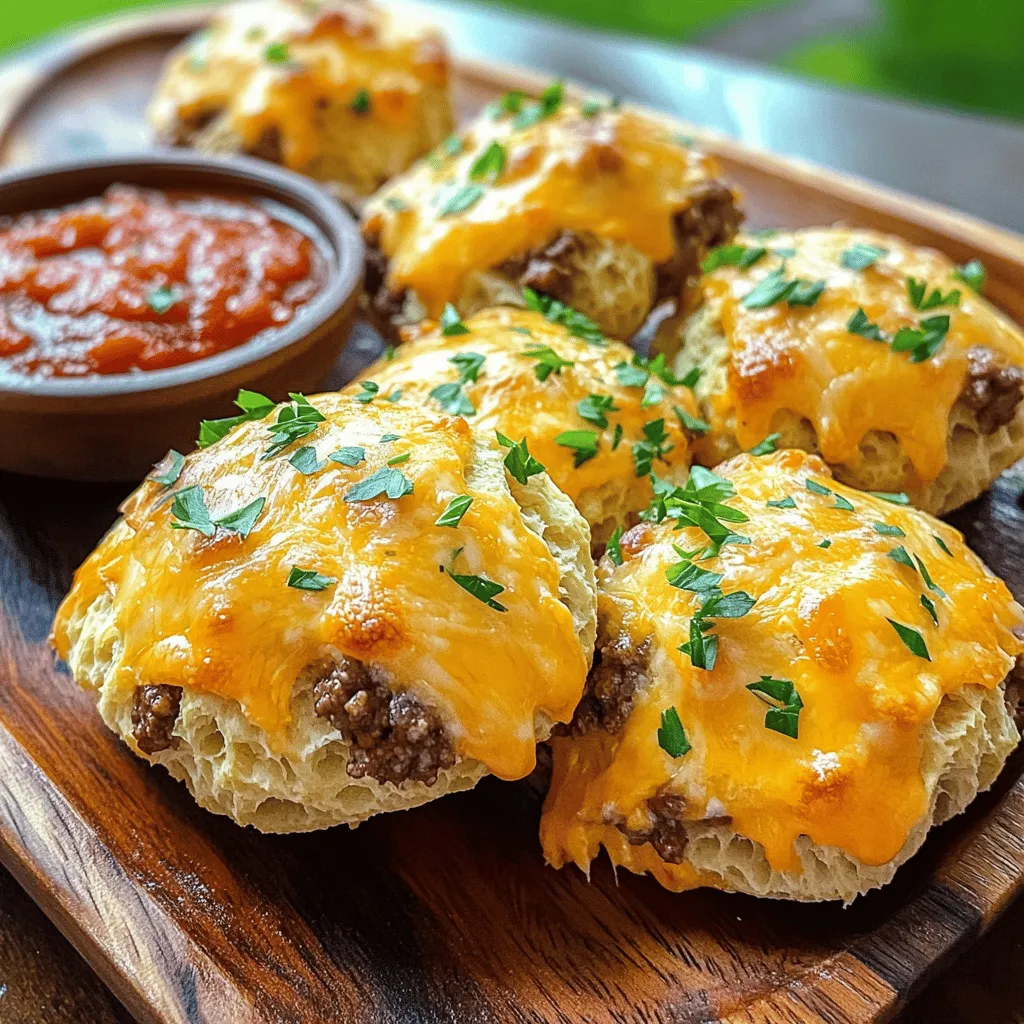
(333, 52)
(214, 615)
(853, 778)
(507, 396)
(807, 361)
(616, 175)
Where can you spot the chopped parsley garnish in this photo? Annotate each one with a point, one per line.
(455, 510)
(190, 511)
(530, 113)
(860, 256)
(582, 442)
(671, 735)
(923, 342)
(894, 499)
(775, 288)
(348, 456)
(923, 300)
(518, 460)
(468, 364)
(254, 406)
(703, 649)
(929, 606)
(886, 530)
(397, 204)
(700, 503)
(450, 396)
(654, 446)
(735, 255)
(859, 324)
(614, 548)
(458, 199)
(693, 424)
(783, 715)
(489, 164)
(632, 375)
(826, 544)
(386, 482)
(617, 436)
(399, 459)
(767, 446)
(691, 378)
(309, 579)
(451, 322)
(481, 588)
(942, 544)
(548, 361)
(578, 325)
(510, 103)
(591, 108)
(926, 576)
(170, 475)
(276, 53)
(900, 555)
(815, 488)
(595, 408)
(786, 502)
(843, 504)
(161, 299)
(295, 420)
(912, 639)
(653, 393)
(388, 438)
(244, 519)
(972, 274)
(305, 460)
(389, 353)
(360, 102)
(369, 389)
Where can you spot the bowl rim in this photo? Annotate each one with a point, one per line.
(344, 276)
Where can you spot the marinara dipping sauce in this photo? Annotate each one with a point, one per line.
(141, 280)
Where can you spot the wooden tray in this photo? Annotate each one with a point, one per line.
(444, 913)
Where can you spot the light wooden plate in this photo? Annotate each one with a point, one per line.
(444, 913)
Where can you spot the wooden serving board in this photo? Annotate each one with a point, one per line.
(446, 913)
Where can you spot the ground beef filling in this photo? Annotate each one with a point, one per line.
(993, 388)
(385, 305)
(548, 269)
(154, 712)
(394, 737)
(667, 830)
(1014, 692)
(620, 669)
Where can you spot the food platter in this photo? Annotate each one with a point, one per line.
(446, 912)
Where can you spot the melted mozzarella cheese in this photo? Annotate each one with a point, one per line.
(330, 52)
(214, 614)
(616, 175)
(507, 396)
(853, 777)
(807, 361)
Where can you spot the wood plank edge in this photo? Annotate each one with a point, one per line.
(159, 974)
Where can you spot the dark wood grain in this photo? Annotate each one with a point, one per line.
(445, 913)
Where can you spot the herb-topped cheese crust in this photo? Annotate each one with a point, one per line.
(352, 531)
(789, 685)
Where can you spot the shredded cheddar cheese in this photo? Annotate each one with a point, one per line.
(852, 778)
(215, 614)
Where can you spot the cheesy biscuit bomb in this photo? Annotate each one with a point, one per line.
(335, 608)
(795, 681)
(880, 356)
(595, 206)
(344, 92)
(597, 416)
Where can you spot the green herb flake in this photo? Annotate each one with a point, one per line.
(582, 442)
(254, 406)
(534, 112)
(901, 555)
(294, 421)
(455, 200)
(360, 103)
(595, 408)
(455, 510)
(826, 544)
(368, 391)
(692, 424)
(972, 274)
(894, 499)
(911, 638)
(783, 715)
(386, 482)
(162, 298)
(309, 579)
(734, 255)
(518, 460)
(860, 325)
(548, 361)
(614, 548)
(654, 446)
(190, 512)
(451, 398)
(671, 735)
(398, 205)
(815, 488)
(244, 519)
(926, 576)
(924, 341)
(787, 502)
(510, 103)
(481, 588)
(174, 462)
(348, 456)
(388, 438)
(860, 256)
(887, 530)
(805, 293)
(942, 544)
(451, 322)
(276, 53)
(617, 436)
(653, 393)
(923, 300)
(489, 164)
(468, 364)
(774, 288)
(767, 446)
(305, 460)
(843, 504)
(578, 325)
(929, 606)
(399, 459)
(632, 375)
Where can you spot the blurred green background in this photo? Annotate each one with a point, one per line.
(956, 53)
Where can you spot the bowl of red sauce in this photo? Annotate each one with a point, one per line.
(138, 295)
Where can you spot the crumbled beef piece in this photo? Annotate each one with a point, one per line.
(394, 737)
(993, 388)
(154, 712)
(547, 269)
(384, 303)
(667, 831)
(268, 146)
(619, 670)
(711, 219)
(183, 130)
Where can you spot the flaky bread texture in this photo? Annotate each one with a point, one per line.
(297, 781)
(964, 750)
(974, 458)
